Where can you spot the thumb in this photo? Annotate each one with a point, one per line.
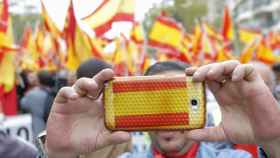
(207, 134)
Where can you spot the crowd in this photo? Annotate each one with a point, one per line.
(73, 116)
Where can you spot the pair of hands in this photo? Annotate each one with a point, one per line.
(250, 114)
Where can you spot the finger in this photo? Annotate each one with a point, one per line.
(216, 73)
(207, 134)
(190, 71)
(222, 71)
(65, 94)
(100, 79)
(85, 85)
(229, 66)
(200, 74)
(245, 71)
(114, 138)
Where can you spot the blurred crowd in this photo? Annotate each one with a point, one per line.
(36, 92)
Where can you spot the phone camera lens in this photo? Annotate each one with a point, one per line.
(194, 102)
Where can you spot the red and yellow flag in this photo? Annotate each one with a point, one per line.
(137, 34)
(48, 22)
(247, 36)
(97, 46)
(4, 18)
(265, 53)
(8, 98)
(196, 41)
(165, 34)
(7, 49)
(248, 52)
(119, 58)
(72, 61)
(109, 11)
(227, 29)
(29, 52)
(208, 50)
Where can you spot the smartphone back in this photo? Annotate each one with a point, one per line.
(154, 103)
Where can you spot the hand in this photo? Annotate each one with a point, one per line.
(76, 122)
(250, 114)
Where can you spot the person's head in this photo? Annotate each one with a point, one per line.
(276, 70)
(91, 67)
(169, 143)
(266, 73)
(46, 79)
(32, 79)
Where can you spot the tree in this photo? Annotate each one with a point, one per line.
(20, 21)
(184, 11)
(188, 11)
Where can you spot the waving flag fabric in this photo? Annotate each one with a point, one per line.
(48, 23)
(8, 98)
(109, 11)
(227, 29)
(137, 34)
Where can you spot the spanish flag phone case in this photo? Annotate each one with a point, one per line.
(154, 103)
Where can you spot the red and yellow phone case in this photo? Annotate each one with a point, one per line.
(154, 103)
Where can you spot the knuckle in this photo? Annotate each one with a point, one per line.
(235, 62)
(64, 89)
(83, 79)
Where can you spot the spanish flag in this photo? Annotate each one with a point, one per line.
(26, 37)
(223, 53)
(227, 29)
(132, 56)
(247, 36)
(97, 46)
(137, 34)
(145, 61)
(119, 58)
(249, 52)
(48, 23)
(208, 46)
(165, 34)
(265, 53)
(212, 33)
(125, 11)
(29, 50)
(78, 44)
(39, 38)
(83, 45)
(108, 12)
(4, 18)
(274, 40)
(196, 41)
(8, 94)
(72, 61)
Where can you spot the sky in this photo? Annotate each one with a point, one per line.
(57, 10)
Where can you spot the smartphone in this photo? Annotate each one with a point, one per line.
(143, 103)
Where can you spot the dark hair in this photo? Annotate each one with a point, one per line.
(165, 66)
(276, 67)
(91, 67)
(46, 78)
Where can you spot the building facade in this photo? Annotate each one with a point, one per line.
(261, 15)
